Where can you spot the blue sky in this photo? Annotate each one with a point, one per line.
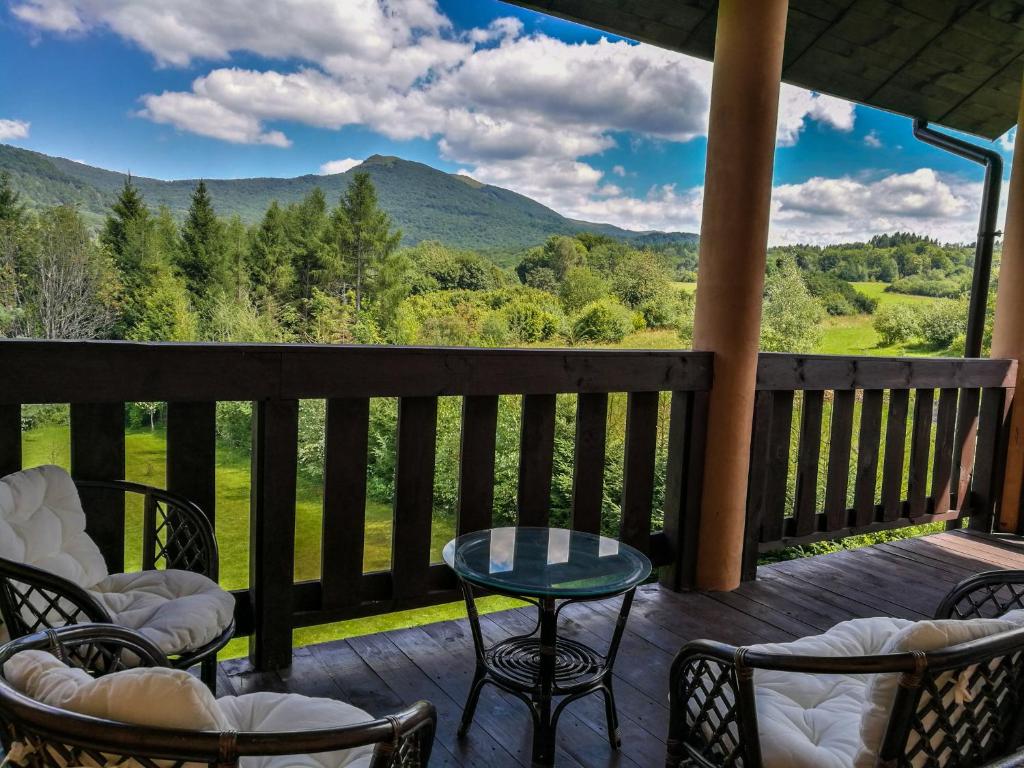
(597, 127)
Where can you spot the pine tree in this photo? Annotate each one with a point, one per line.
(201, 260)
(12, 210)
(126, 232)
(364, 233)
(313, 254)
(270, 269)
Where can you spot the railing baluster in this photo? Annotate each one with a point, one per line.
(920, 453)
(97, 453)
(964, 447)
(760, 444)
(346, 428)
(985, 486)
(414, 496)
(638, 469)
(773, 522)
(476, 462)
(192, 453)
(868, 446)
(10, 438)
(275, 425)
(805, 512)
(683, 482)
(895, 448)
(536, 458)
(840, 444)
(942, 468)
(588, 461)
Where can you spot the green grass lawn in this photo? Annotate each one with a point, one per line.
(855, 335)
(145, 463)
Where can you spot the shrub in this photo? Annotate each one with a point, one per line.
(897, 323)
(943, 323)
(791, 318)
(919, 285)
(528, 322)
(580, 287)
(837, 295)
(604, 320)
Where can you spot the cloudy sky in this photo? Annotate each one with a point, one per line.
(597, 127)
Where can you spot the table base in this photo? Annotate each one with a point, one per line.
(539, 667)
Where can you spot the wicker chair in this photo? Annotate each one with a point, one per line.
(36, 735)
(176, 535)
(714, 719)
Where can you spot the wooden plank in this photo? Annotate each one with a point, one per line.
(638, 469)
(895, 449)
(97, 453)
(346, 428)
(275, 425)
(10, 439)
(683, 482)
(868, 448)
(588, 461)
(476, 463)
(103, 371)
(809, 452)
(758, 476)
(964, 446)
(536, 456)
(414, 495)
(840, 437)
(192, 453)
(777, 371)
(942, 467)
(920, 453)
(985, 483)
(774, 517)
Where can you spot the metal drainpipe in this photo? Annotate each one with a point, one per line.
(987, 232)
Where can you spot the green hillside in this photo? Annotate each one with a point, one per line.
(425, 203)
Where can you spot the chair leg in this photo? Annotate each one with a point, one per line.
(208, 673)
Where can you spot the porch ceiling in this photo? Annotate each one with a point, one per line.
(952, 62)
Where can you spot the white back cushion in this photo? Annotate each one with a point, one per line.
(42, 524)
(920, 636)
(155, 696)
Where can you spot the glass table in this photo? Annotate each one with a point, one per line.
(550, 568)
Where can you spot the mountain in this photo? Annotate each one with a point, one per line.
(427, 204)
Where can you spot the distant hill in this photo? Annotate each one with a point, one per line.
(427, 204)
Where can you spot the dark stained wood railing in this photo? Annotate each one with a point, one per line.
(837, 448)
(98, 378)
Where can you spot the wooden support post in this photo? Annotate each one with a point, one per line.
(733, 246)
(97, 453)
(275, 427)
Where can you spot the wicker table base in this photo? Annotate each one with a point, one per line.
(538, 667)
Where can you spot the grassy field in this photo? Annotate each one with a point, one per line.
(145, 461)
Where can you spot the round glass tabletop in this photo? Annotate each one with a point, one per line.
(546, 562)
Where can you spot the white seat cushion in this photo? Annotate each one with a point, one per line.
(171, 698)
(42, 524)
(292, 712)
(178, 610)
(155, 696)
(813, 721)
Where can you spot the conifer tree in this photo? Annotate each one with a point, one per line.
(270, 269)
(12, 210)
(201, 260)
(364, 232)
(313, 254)
(126, 233)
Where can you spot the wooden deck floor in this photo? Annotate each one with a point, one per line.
(790, 599)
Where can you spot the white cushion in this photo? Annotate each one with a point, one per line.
(292, 712)
(920, 636)
(171, 698)
(157, 696)
(42, 524)
(178, 610)
(814, 720)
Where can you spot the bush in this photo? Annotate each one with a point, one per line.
(943, 323)
(943, 288)
(604, 320)
(528, 322)
(837, 295)
(580, 287)
(791, 319)
(897, 323)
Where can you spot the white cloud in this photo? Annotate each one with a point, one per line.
(871, 139)
(13, 129)
(797, 107)
(338, 166)
(619, 170)
(1006, 140)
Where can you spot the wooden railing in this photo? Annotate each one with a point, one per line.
(98, 378)
(843, 446)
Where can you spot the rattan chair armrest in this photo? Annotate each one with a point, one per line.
(979, 587)
(13, 574)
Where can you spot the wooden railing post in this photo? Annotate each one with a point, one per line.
(192, 453)
(683, 481)
(10, 438)
(97, 453)
(272, 531)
